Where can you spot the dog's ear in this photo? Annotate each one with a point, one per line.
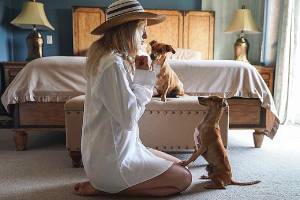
(152, 42)
(170, 49)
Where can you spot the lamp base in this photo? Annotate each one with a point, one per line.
(34, 45)
(241, 48)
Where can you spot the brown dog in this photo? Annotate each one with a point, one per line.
(168, 83)
(209, 144)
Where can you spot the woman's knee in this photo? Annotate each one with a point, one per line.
(183, 177)
(186, 179)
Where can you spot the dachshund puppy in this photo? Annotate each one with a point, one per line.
(168, 83)
(209, 144)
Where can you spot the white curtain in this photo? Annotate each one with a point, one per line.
(287, 73)
(272, 14)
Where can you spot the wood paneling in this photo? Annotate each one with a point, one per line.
(199, 32)
(267, 73)
(245, 112)
(11, 69)
(84, 21)
(41, 114)
(194, 30)
(242, 113)
(170, 31)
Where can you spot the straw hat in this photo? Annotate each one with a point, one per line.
(123, 11)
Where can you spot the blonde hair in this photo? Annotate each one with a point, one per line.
(121, 39)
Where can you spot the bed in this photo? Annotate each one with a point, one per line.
(36, 97)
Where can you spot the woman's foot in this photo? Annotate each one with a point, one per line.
(86, 189)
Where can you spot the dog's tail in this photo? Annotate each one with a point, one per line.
(244, 183)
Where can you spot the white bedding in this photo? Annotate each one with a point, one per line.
(226, 78)
(48, 79)
(59, 78)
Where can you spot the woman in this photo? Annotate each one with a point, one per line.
(114, 158)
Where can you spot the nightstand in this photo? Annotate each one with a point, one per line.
(8, 71)
(267, 74)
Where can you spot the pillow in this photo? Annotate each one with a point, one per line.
(181, 54)
(184, 54)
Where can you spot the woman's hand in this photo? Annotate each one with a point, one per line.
(141, 62)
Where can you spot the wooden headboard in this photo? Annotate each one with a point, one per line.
(188, 29)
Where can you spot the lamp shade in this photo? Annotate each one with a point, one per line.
(242, 21)
(32, 14)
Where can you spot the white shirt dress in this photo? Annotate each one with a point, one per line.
(113, 155)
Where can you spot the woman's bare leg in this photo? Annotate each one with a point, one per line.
(173, 181)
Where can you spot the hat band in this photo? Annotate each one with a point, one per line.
(122, 9)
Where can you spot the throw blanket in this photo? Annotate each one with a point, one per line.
(48, 79)
(226, 78)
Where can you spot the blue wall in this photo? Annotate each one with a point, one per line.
(5, 36)
(59, 13)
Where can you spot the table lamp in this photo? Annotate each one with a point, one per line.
(242, 22)
(33, 17)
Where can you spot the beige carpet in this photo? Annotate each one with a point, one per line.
(44, 171)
